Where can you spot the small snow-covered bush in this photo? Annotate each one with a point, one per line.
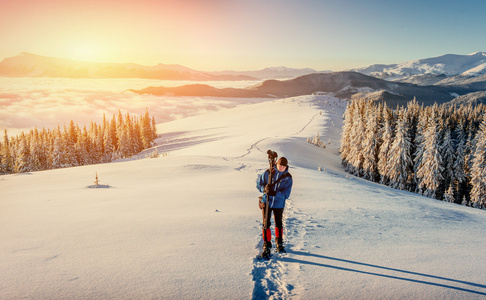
(316, 140)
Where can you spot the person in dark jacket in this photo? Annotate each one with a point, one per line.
(274, 196)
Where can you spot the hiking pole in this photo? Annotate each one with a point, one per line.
(272, 157)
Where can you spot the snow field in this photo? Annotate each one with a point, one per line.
(186, 225)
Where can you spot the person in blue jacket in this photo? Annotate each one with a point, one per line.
(275, 195)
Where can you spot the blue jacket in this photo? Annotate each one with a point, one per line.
(282, 188)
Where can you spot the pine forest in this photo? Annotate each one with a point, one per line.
(437, 151)
(70, 146)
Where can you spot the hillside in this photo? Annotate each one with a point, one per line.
(339, 84)
(186, 225)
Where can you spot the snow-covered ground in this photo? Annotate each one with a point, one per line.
(186, 225)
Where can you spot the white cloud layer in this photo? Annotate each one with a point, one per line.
(26, 103)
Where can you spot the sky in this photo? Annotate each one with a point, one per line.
(216, 35)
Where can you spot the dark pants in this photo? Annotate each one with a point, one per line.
(267, 233)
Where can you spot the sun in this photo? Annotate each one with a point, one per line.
(84, 52)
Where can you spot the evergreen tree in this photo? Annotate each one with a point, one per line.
(345, 148)
(68, 139)
(113, 134)
(478, 170)
(22, 157)
(7, 161)
(371, 142)
(96, 145)
(81, 146)
(386, 137)
(58, 152)
(459, 162)
(430, 170)
(36, 151)
(448, 157)
(422, 126)
(146, 130)
(154, 129)
(356, 157)
(400, 163)
(449, 194)
(135, 130)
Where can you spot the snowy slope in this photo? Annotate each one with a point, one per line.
(186, 225)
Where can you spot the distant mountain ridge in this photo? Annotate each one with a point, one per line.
(339, 84)
(449, 65)
(438, 79)
(32, 65)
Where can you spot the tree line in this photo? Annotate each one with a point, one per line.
(70, 146)
(437, 151)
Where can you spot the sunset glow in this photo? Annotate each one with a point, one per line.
(241, 35)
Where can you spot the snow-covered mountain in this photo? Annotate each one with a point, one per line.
(186, 225)
(340, 84)
(450, 65)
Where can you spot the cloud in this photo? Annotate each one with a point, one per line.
(29, 102)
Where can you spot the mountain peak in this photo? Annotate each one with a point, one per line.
(479, 53)
(473, 64)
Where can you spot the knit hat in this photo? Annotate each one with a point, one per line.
(282, 161)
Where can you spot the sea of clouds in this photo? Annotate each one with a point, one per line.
(26, 103)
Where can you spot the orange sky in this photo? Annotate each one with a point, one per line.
(239, 34)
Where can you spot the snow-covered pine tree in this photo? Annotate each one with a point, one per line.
(478, 170)
(430, 171)
(58, 153)
(81, 147)
(22, 157)
(400, 163)
(448, 157)
(422, 126)
(7, 161)
(130, 147)
(386, 138)
(371, 142)
(146, 130)
(356, 158)
(137, 136)
(96, 146)
(36, 151)
(413, 113)
(468, 161)
(154, 129)
(113, 133)
(69, 137)
(345, 148)
(449, 194)
(459, 161)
